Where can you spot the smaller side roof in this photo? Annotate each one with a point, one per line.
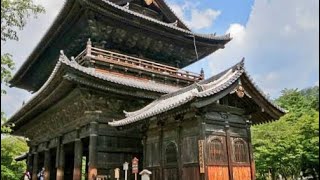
(197, 91)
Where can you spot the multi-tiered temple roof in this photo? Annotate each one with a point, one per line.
(151, 32)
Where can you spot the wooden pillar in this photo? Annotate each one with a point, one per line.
(77, 159)
(60, 162)
(93, 151)
(47, 164)
(253, 169)
(29, 157)
(229, 150)
(203, 137)
(180, 170)
(35, 166)
(145, 150)
(161, 124)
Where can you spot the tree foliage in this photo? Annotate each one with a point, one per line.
(12, 147)
(14, 15)
(290, 146)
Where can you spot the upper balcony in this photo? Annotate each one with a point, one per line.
(105, 61)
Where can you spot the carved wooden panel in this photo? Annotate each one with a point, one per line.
(240, 152)
(216, 150)
(171, 153)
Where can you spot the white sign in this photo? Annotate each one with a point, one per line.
(117, 173)
(125, 166)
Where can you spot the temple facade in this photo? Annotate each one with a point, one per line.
(109, 86)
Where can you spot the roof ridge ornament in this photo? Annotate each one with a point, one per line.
(126, 6)
(175, 23)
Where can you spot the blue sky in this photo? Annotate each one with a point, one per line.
(278, 38)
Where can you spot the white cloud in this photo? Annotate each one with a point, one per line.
(202, 19)
(280, 45)
(198, 18)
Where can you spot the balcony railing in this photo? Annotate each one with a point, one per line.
(130, 62)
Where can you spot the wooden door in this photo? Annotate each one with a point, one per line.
(217, 158)
(218, 173)
(241, 173)
(171, 173)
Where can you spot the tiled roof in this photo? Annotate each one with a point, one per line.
(183, 96)
(140, 84)
(169, 25)
(202, 89)
(63, 60)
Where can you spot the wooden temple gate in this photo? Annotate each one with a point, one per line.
(125, 95)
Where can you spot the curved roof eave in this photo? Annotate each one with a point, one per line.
(65, 62)
(60, 20)
(205, 88)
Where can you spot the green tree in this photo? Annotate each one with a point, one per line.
(12, 147)
(290, 145)
(14, 14)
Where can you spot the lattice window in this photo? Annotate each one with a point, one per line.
(240, 151)
(216, 150)
(171, 153)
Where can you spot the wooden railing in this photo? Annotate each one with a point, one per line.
(126, 61)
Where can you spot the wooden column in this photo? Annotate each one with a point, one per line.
(161, 124)
(77, 159)
(29, 157)
(203, 137)
(180, 166)
(93, 151)
(35, 166)
(60, 162)
(47, 164)
(229, 150)
(252, 164)
(145, 150)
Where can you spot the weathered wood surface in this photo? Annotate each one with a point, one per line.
(218, 173)
(241, 173)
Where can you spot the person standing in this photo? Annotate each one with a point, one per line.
(27, 176)
(40, 175)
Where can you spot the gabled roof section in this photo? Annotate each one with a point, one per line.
(198, 91)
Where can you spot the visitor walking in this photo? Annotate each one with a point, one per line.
(40, 175)
(27, 176)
